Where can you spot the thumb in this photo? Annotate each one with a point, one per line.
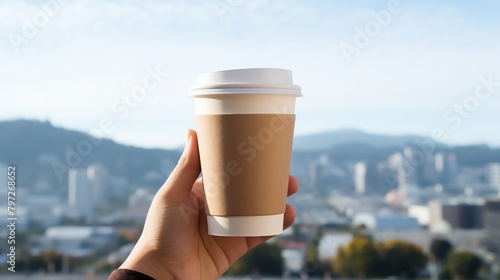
(178, 186)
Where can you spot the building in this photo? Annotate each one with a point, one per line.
(317, 171)
(385, 222)
(80, 193)
(368, 178)
(464, 214)
(293, 254)
(97, 176)
(410, 165)
(360, 177)
(492, 224)
(421, 213)
(428, 173)
(493, 175)
(461, 213)
(401, 169)
(75, 241)
(435, 213)
(44, 210)
(450, 168)
(330, 243)
(140, 201)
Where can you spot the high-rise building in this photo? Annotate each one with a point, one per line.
(435, 213)
(369, 178)
(493, 175)
(491, 221)
(439, 162)
(360, 177)
(317, 171)
(97, 176)
(80, 193)
(409, 167)
(394, 175)
(428, 174)
(450, 168)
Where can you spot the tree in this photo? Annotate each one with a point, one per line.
(403, 258)
(439, 249)
(312, 265)
(360, 258)
(264, 259)
(464, 265)
(50, 257)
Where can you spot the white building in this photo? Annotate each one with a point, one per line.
(408, 168)
(97, 176)
(80, 193)
(330, 243)
(140, 201)
(421, 213)
(76, 241)
(360, 177)
(493, 175)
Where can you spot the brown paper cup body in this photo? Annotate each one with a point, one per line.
(245, 161)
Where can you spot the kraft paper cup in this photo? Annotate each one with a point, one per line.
(245, 120)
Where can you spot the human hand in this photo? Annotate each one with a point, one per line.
(175, 243)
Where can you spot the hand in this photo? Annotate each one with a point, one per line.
(175, 243)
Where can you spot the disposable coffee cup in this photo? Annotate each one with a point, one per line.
(245, 120)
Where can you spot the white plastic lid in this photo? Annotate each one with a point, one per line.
(246, 81)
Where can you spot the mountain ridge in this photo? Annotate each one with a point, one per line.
(45, 152)
(329, 139)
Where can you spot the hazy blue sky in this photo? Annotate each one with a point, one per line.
(72, 62)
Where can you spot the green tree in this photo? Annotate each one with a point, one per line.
(403, 258)
(264, 259)
(312, 264)
(464, 265)
(50, 256)
(360, 258)
(360, 231)
(439, 249)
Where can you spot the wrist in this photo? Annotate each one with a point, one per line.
(145, 261)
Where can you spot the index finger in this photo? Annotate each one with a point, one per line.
(293, 185)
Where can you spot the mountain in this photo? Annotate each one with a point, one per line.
(326, 140)
(43, 152)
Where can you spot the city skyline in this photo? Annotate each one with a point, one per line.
(395, 149)
(419, 69)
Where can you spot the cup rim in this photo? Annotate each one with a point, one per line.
(236, 81)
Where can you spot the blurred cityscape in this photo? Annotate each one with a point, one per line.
(80, 209)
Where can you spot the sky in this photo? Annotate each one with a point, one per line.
(390, 67)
